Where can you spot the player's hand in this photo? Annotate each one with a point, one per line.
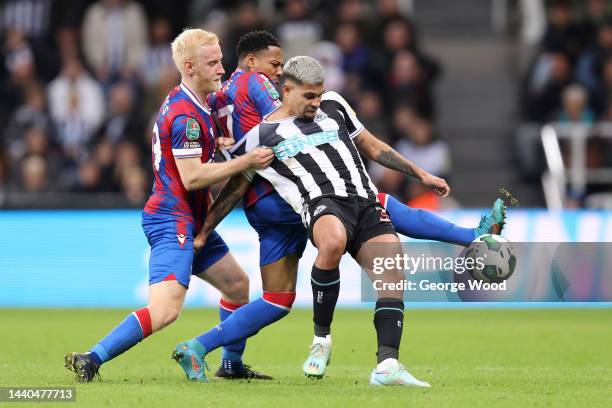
(260, 158)
(439, 185)
(225, 142)
(199, 241)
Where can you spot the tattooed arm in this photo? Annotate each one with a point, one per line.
(230, 194)
(385, 155)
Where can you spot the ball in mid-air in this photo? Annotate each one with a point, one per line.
(494, 258)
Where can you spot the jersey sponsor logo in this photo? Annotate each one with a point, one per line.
(318, 210)
(293, 145)
(193, 129)
(191, 145)
(271, 89)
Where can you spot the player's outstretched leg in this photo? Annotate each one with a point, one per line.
(421, 224)
(244, 322)
(166, 299)
(225, 274)
(280, 251)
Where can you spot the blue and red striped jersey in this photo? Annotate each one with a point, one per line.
(241, 103)
(184, 128)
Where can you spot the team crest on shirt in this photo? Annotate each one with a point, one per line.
(320, 116)
(181, 239)
(193, 129)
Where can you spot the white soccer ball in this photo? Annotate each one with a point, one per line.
(493, 257)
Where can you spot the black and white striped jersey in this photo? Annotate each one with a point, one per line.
(314, 158)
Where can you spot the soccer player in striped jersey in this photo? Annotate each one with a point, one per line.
(316, 139)
(182, 158)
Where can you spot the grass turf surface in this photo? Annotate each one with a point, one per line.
(472, 358)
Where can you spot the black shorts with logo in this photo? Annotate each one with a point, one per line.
(363, 219)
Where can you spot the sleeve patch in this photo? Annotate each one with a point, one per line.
(192, 129)
(269, 87)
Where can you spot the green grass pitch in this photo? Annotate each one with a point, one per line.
(473, 358)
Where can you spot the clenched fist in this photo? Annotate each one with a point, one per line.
(260, 158)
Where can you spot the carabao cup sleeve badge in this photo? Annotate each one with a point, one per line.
(193, 129)
(271, 90)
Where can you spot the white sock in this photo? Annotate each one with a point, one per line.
(323, 340)
(387, 364)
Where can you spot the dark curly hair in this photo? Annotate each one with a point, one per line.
(254, 41)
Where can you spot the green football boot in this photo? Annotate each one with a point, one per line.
(190, 355)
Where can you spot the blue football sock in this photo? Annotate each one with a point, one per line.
(421, 224)
(243, 323)
(122, 337)
(231, 355)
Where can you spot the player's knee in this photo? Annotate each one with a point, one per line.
(171, 316)
(331, 248)
(393, 275)
(162, 316)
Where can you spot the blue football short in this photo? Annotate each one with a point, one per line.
(280, 229)
(172, 254)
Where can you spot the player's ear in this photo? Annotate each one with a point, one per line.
(286, 89)
(189, 67)
(250, 60)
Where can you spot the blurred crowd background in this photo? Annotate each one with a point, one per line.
(569, 82)
(81, 82)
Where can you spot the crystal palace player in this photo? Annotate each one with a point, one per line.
(244, 98)
(318, 171)
(183, 150)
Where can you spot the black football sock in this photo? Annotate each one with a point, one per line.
(325, 290)
(389, 323)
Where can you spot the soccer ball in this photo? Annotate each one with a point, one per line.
(493, 257)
